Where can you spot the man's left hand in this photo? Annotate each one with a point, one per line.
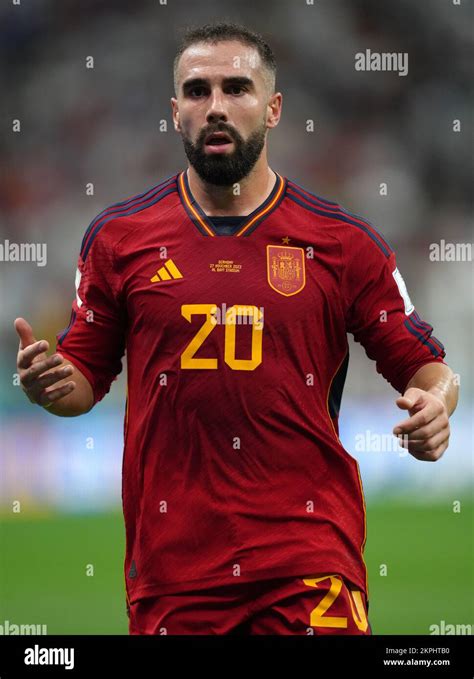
(426, 432)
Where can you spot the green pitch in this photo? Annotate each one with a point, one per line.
(44, 566)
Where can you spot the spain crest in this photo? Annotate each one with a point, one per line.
(285, 269)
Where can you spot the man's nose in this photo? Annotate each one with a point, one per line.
(217, 110)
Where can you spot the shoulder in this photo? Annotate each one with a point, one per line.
(351, 229)
(116, 221)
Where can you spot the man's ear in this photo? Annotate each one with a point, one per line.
(175, 114)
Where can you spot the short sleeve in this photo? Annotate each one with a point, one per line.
(94, 340)
(379, 312)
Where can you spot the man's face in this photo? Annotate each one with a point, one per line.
(223, 110)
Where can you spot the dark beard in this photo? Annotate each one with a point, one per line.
(227, 168)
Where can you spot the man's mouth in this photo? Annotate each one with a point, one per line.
(218, 139)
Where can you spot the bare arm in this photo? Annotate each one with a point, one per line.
(438, 379)
(430, 397)
(45, 379)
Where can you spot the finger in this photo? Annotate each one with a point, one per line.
(25, 332)
(426, 445)
(423, 433)
(29, 377)
(405, 403)
(52, 377)
(53, 395)
(419, 419)
(410, 399)
(26, 356)
(434, 456)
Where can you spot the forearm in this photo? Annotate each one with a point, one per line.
(439, 380)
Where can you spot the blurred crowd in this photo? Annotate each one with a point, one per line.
(101, 126)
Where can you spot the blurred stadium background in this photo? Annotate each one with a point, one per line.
(102, 125)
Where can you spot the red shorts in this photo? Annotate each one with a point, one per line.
(322, 604)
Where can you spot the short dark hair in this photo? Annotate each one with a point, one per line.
(223, 31)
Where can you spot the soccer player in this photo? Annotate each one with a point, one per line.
(244, 513)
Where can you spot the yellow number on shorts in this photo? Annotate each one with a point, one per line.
(359, 615)
(318, 617)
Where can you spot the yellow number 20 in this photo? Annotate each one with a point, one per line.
(318, 616)
(188, 360)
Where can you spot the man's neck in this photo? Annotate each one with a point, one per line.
(221, 200)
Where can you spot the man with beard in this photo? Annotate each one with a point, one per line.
(244, 513)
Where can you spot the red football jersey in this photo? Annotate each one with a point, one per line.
(237, 352)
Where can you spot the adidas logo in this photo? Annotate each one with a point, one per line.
(167, 272)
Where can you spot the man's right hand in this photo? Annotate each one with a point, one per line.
(37, 371)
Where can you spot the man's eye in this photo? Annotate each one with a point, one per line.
(240, 89)
(199, 90)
